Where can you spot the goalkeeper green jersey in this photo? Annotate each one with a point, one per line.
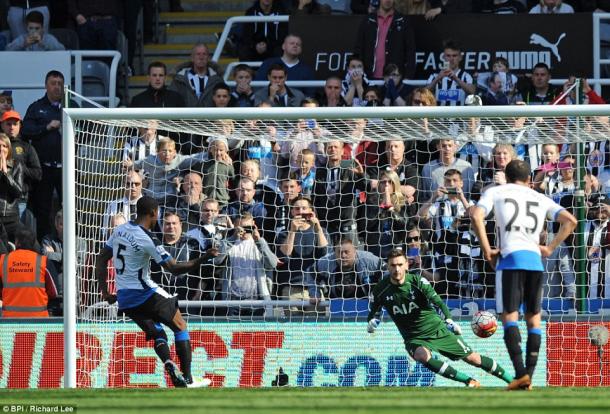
(413, 306)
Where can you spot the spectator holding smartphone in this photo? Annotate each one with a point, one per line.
(302, 244)
(306, 134)
(451, 84)
(35, 39)
(445, 213)
(433, 173)
(248, 265)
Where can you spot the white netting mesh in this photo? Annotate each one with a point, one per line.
(353, 162)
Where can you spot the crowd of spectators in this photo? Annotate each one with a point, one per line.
(300, 213)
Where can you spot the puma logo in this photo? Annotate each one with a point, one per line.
(536, 39)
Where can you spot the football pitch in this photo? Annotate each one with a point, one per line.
(313, 400)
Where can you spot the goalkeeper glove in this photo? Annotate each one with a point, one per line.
(453, 327)
(373, 324)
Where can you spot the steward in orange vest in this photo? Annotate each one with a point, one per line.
(25, 283)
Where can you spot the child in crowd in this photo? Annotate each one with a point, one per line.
(307, 171)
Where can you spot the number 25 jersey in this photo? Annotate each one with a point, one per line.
(520, 213)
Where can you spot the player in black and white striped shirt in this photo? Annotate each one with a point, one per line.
(451, 84)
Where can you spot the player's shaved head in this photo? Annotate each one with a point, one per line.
(147, 206)
(517, 170)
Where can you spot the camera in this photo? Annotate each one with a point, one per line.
(307, 216)
(451, 190)
(248, 229)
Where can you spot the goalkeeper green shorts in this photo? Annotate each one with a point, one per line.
(445, 343)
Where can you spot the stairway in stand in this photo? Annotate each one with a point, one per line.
(179, 31)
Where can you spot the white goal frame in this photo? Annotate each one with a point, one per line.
(69, 162)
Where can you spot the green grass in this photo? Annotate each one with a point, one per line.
(320, 400)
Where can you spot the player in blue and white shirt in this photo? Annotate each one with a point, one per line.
(520, 214)
(131, 246)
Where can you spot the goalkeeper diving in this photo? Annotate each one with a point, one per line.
(412, 302)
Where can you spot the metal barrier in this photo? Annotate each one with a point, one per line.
(241, 19)
(77, 56)
(76, 59)
(598, 62)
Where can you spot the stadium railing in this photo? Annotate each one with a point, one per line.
(76, 57)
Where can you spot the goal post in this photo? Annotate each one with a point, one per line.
(91, 139)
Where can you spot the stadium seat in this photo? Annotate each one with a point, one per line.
(67, 37)
(96, 78)
(338, 6)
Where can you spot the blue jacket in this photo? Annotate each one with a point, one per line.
(300, 71)
(46, 143)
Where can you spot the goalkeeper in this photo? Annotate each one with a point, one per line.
(411, 301)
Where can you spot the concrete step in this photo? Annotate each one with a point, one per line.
(191, 29)
(215, 5)
(203, 17)
(172, 49)
(173, 61)
(191, 33)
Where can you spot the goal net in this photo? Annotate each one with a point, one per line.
(304, 205)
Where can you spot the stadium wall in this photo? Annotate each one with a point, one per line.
(245, 355)
(563, 41)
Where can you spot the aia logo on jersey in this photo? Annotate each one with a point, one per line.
(403, 310)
